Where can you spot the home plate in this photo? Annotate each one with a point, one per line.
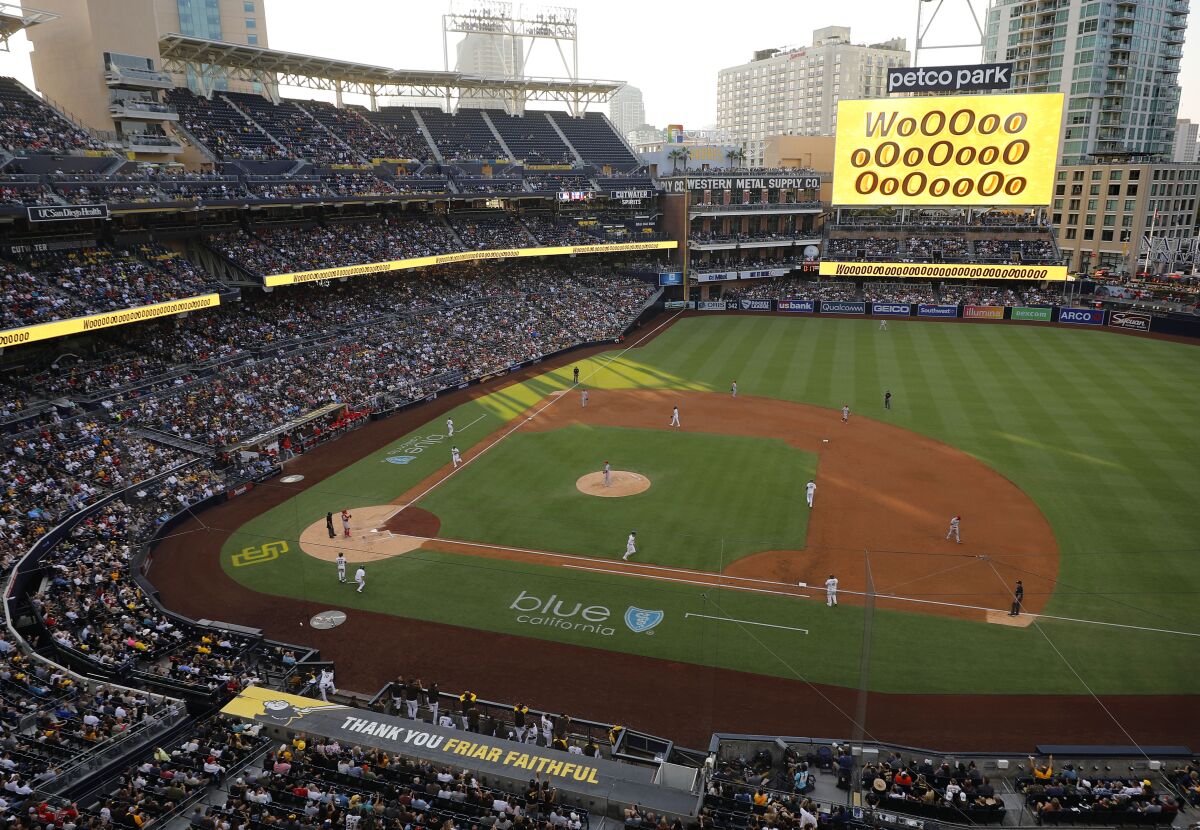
(824, 440)
(802, 584)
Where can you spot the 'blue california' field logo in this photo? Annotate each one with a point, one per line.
(639, 619)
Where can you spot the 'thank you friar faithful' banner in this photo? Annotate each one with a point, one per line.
(947, 150)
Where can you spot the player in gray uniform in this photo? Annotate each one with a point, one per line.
(630, 545)
(607, 474)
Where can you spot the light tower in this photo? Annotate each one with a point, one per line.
(512, 32)
(927, 14)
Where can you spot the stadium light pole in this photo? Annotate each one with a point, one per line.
(925, 23)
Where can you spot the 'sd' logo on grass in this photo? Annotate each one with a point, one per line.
(268, 552)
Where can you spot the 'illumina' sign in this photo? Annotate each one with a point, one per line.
(951, 150)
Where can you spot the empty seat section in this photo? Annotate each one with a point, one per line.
(593, 138)
(464, 135)
(531, 138)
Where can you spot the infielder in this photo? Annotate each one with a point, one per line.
(733, 389)
(449, 427)
(346, 523)
(360, 576)
(630, 545)
(845, 413)
(583, 398)
(675, 416)
(455, 457)
(607, 474)
(809, 490)
(953, 531)
(831, 591)
(341, 566)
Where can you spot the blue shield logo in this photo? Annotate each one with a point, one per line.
(400, 459)
(639, 619)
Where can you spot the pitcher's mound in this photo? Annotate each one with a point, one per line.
(624, 483)
(369, 541)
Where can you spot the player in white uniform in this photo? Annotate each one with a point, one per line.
(733, 389)
(809, 490)
(675, 416)
(630, 545)
(341, 565)
(360, 576)
(455, 456)
(583, 398)
(325, 684)
(883, 325)
(845, 413)
(449, 427)
(547, 728)
(831, 591)
(953, 531)
(607, 474)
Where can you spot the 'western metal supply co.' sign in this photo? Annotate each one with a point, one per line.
(741, 183)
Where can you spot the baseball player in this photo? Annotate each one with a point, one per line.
(432, 699)
(809, 490)
(887, 399)
(630, 545)
(341, 566)
(583, 398)
(450, 427)
(547, 728)
(953, 531)
(845, 413)
(360, 576)
(520, 713)
(346, 523)
(831, 591)
(733, 389)
(675, 416)
(455, 457)
(883, 325)
(325, 684)
(607, 474)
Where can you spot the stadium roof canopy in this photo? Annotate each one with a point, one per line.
(205, 58)
(14, 18)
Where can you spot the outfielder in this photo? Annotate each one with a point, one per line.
(341, 566)
(583, 398)
(455, 457)
(675, 416)
(449, 427)
(346, 523)
(630, 545)
(607, 474)
(809, 490)
(883, 325)
(953, 531)
(831, 591)
(845, 413)
(360, 576)
(733, 389)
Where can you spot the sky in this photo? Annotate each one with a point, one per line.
(670, 50)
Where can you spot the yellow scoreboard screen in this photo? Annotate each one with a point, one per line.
(947, 150)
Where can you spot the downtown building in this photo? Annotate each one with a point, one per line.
(796, 91)
(1117, 64)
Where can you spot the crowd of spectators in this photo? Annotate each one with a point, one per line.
(1073, 796)
(28, 124)
(493, 230)
(899, 292)
(998, 295)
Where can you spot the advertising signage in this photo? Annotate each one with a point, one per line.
(959, 150)
(742, 183)
(1041, 315)
(961, 78)
(1081, 316)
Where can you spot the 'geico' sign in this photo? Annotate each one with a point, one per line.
(958, 150)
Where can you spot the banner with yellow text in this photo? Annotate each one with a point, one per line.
(947, 150)
(77, 325)
(943, 271)
(464, 256)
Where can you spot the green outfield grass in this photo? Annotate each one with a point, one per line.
(1099, 429)
(523, 495)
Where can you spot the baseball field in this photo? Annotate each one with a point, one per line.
(1071, 457)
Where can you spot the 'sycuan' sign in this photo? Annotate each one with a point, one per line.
(1133, 320)
(951, 150)
(968, 78)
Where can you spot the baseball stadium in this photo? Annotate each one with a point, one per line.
(400, 448)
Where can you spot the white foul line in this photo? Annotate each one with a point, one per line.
(746, 622)
(687, 581)
(553, 400)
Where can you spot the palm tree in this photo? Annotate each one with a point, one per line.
(735, 156)
(676, 156)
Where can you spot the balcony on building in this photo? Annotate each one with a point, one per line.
(128, 77)
(137, 109)
(754, 209)
(151, 143)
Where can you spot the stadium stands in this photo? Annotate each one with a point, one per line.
(531, 138)
(594, 138)
(27, 124)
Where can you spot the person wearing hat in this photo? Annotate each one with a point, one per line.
(630, 545)
(607, 474)
(1018, 598)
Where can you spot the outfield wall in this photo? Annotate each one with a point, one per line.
(1107, 317)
